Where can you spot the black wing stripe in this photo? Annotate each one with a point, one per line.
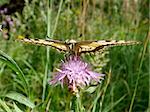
(58, 45)
(98, 45)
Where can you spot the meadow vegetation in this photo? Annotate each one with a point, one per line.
(25, 70)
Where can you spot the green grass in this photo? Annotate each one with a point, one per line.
(26, 69)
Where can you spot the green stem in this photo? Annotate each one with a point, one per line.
(78, 103)
(137, 80)
(149, 79)
(58, 14)
(105, 89)
(49, 34)
(49, 10)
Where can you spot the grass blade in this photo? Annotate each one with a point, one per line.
(3, 104)
(109, 107)
(14, 66)
(138, 77)
(17, 109)
(20, 98)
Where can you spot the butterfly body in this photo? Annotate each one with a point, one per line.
(77, 48)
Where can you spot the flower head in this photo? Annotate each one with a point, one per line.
(76, 73)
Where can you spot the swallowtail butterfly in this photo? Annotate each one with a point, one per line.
(78, 48)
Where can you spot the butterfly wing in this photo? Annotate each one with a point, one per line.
(101, 44)
(53, 43)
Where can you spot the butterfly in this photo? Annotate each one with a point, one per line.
(78, 47)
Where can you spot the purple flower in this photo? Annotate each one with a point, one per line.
(1, 11)
(5, 10)
(11, 23)
(76, 74)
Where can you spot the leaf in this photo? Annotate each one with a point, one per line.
(91, 89)
(17, 109)
(14, 66)
(20, 98)
(3, 104)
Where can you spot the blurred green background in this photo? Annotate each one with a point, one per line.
(26, 69)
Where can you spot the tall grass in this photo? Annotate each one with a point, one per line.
(26, 69)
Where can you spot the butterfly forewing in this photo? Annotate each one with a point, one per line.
(101, 44)
(116, 43)
(53, 43)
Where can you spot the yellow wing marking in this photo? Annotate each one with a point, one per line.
(98, 45)
(53, 43)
